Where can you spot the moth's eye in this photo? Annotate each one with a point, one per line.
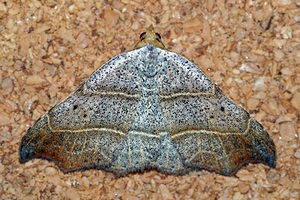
(158, 35)
(142, 35)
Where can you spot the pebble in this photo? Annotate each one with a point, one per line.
(164, 191)
(50, 171)
(297, 154)
(284, 2)
(7, 85)
(273, 176)
(65, 34)
(85, 182)
(244, 188)
(296, 101)
(111, 17)
(72, 194)
(192, 25)
(287, 131)
(4, 119)
(82, 40)
(27, 190)
(252, 103)
(2, 168)
(237, 196)
(250, 67)
(278, 55)
(34, 80)
(260, 85)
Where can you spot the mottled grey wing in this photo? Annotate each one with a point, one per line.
(88, 127)
(208, 129)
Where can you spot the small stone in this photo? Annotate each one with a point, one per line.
(296, 101)
(284, 118)
(165, 192)
(284, 180)
(250, 67)
(286, 32)
(238, 196)
(42, 28)
(245, 175)
(27, 190)
(34, 80)
(50, 171)
(287, 131)
(252, 103)
(18, 65)
(278, 55)
(65, 34)
(72, 194)
(72, 8)
(279, 42)
(4, 119)
(260, 85)
(297, 154)
(54, 179)
(85, 182)
(7, 85)
(83, 40)
(287, 71)
(192, 25)
(244, 188)
(273, 176)
(3, 7)
(240, 33)
(205, 61)
(111, 17)
(2, 168)
(206, 32)
(296, 185)
(284, 2)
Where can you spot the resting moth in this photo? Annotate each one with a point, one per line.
(148, 108)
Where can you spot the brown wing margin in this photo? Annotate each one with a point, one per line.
(226, 153)
(70, 151)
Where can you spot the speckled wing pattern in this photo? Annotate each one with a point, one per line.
(148, 109)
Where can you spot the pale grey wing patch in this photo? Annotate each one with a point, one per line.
(179, 75)
(207, 128)
(94, 111)
(120, 74)
(89, 127)
(107, 99)
(203, 112)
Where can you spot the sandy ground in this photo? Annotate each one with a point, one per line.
(250, 49)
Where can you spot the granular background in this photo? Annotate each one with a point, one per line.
(251, 49)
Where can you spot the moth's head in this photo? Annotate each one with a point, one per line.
(150, 37)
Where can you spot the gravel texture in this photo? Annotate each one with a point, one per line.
(250, 49)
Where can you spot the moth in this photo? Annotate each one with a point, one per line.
(148, 108)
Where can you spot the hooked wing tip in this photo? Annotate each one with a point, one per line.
(25, 154)
(269, 158)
